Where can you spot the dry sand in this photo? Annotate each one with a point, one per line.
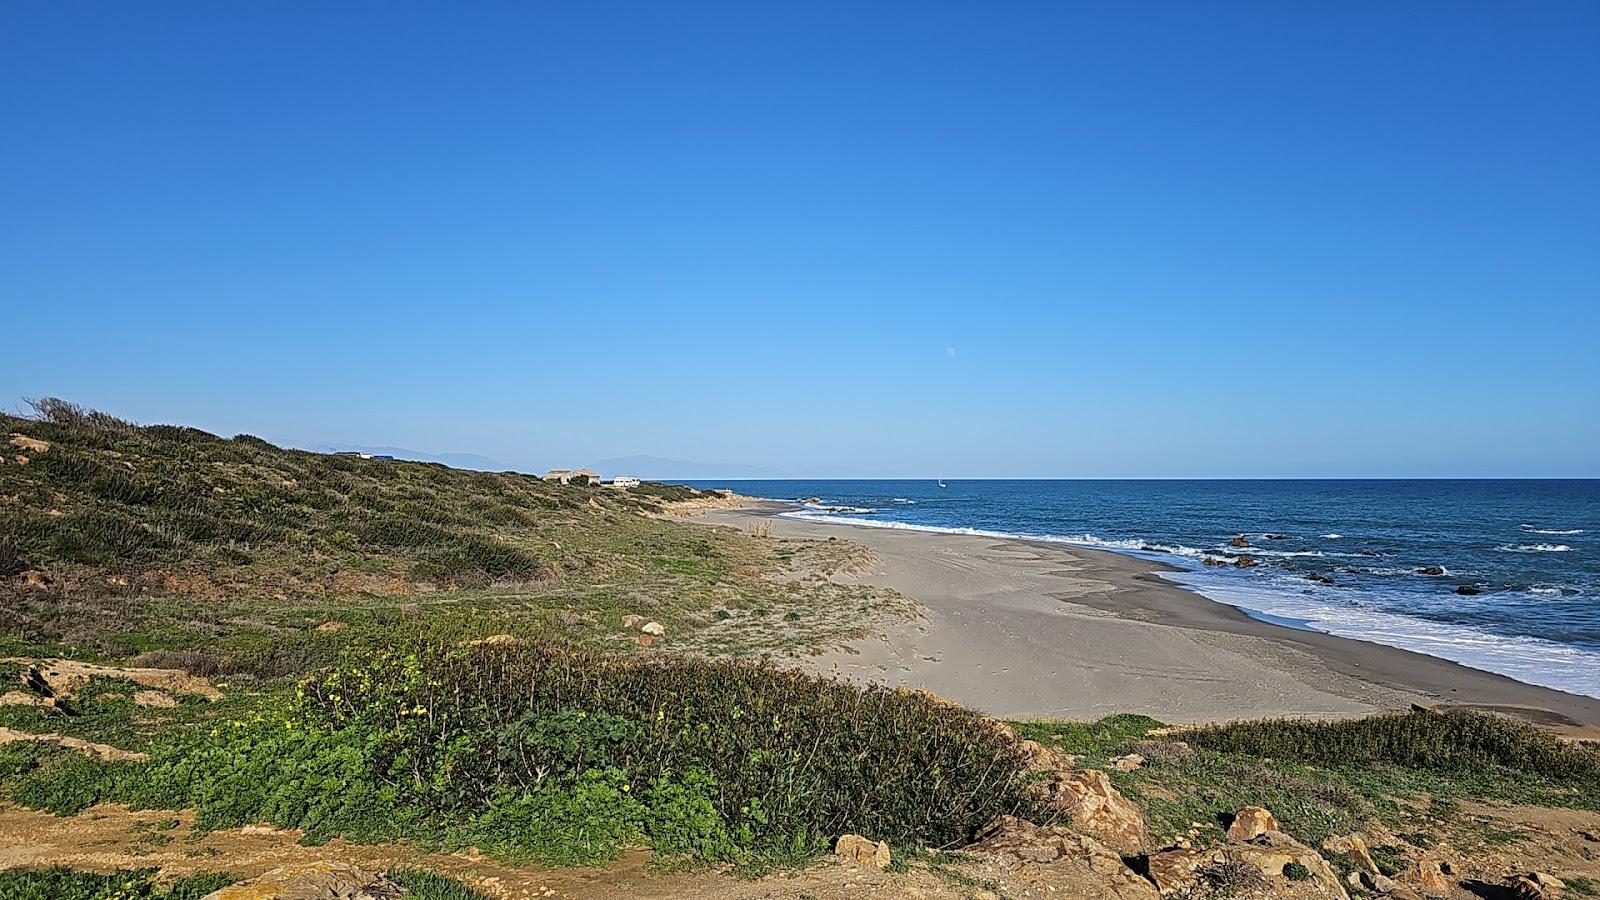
(1029, 630)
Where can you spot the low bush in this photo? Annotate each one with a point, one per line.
(532, 750)
(61, 883)
(1445, 741)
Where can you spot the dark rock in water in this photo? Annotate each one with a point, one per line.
(1277, 537)
(1467, 590)
(1245, 561)
(1370, 553)
(1319, 578)
(1352, 570)
(1214, 561)
(1149, 549)
(1239, 540)
(1431, 570)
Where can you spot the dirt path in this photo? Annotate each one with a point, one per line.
(110, 837)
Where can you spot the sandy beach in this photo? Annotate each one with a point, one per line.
(1030, 630)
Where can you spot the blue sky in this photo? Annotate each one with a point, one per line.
(1145, 239)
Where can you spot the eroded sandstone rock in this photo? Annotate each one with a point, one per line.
(1250, 822)
(1098, 809)
(862, 851)
(313, 881)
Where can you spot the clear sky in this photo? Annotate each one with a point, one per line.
(1053, 239)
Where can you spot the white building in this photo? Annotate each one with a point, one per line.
(624, 481)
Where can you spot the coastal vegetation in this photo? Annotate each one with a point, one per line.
(380, 651)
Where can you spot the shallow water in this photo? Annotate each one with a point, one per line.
(1531, 549)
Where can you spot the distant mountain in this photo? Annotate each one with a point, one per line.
(657, 468)
(453, 460)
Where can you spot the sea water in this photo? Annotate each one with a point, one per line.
(1498, 575)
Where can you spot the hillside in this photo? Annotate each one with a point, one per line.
(117, 538)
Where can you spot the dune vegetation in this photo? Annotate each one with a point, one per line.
(381, 650)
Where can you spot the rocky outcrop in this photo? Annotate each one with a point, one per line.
(864, 852)
(1468, 590)
(1058, 860)
(1431, 570)
(1098, 809)
(323, 881)
(1351, 847)
(1239, 540)
(1183, 871)
(32, 445)
(1245, 561)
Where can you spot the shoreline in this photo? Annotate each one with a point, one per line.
(1032, 629)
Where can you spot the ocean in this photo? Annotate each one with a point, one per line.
(1500, 575)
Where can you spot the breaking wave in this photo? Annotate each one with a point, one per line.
(1534, 548)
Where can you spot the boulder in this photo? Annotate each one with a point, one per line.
(1239, 540)
(1433, 874)
(32, 445)
(1252, 822)
(854, 848)
(1319, 578)
(1127, 763)
(1534, 886)
(1430, 570)
(1098, 809)
(1214, 561)
(1351, 847)
(322, 881)
(632, 621)
(654, 629)
(1468, 590)
(1045, 758)
(1370, 881)
(1245, 561)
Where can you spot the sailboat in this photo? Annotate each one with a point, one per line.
(940, 479)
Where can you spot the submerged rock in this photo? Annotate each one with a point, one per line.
(1468, 590)
(1239, 540)
(1430, 570)
(1245, 561)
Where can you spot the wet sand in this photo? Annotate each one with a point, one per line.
(1031, 630)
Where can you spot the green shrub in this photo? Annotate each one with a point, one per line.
(65, 783)
(1447, 741)
(1296, 871)
(61, 883)
(421, 884)
(795, 760)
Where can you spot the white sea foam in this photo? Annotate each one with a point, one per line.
(1333, 537)
(1527, 659)
(1534, 548)
(1532, 530)
(900, 500)
(1554, 590)
(826, 508)
(1078, 540)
